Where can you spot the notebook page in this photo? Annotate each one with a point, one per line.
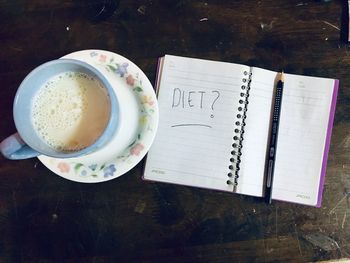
(198, 101)
(302, 135)
(256, 133)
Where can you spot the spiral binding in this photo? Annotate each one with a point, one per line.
(237, 143)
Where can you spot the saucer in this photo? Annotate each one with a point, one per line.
(110, 163)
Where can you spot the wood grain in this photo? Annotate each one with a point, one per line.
(45, 218)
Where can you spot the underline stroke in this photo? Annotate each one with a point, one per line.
(191, 124)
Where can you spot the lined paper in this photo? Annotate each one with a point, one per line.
(198, 101)
(256, 132)
(302, 135)
(198, 105)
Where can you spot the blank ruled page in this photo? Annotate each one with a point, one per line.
(198, 101)
(302, 135)
(256, 133)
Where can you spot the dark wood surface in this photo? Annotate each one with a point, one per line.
(45, 218)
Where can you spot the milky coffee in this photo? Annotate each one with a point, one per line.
(70, 111)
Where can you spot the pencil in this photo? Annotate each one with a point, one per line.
(274, 135)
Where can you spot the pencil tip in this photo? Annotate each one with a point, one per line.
(281, 76)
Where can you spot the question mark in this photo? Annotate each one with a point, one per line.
(212, 105)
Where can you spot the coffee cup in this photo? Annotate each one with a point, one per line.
(64, 108)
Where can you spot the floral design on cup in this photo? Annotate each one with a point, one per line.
(130, 80)
(109, 170)
(102, 58)
(146, 101)
(63, 167)
(136, 149)
(94, 169)
(119, 69)
(147, 110)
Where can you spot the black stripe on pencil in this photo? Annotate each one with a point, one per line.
(274, 136)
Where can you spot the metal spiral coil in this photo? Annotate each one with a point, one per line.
(238, 136)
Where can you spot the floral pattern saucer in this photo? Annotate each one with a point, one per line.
(132, 77)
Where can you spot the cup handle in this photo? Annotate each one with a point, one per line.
(14, 148)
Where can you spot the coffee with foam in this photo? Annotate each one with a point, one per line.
(70, 111)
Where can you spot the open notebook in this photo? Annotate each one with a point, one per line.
(215, 122)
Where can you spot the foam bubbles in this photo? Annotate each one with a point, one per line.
(70, 111)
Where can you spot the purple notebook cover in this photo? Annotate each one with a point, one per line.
(328, 142)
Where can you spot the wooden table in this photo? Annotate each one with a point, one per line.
(45, 218)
